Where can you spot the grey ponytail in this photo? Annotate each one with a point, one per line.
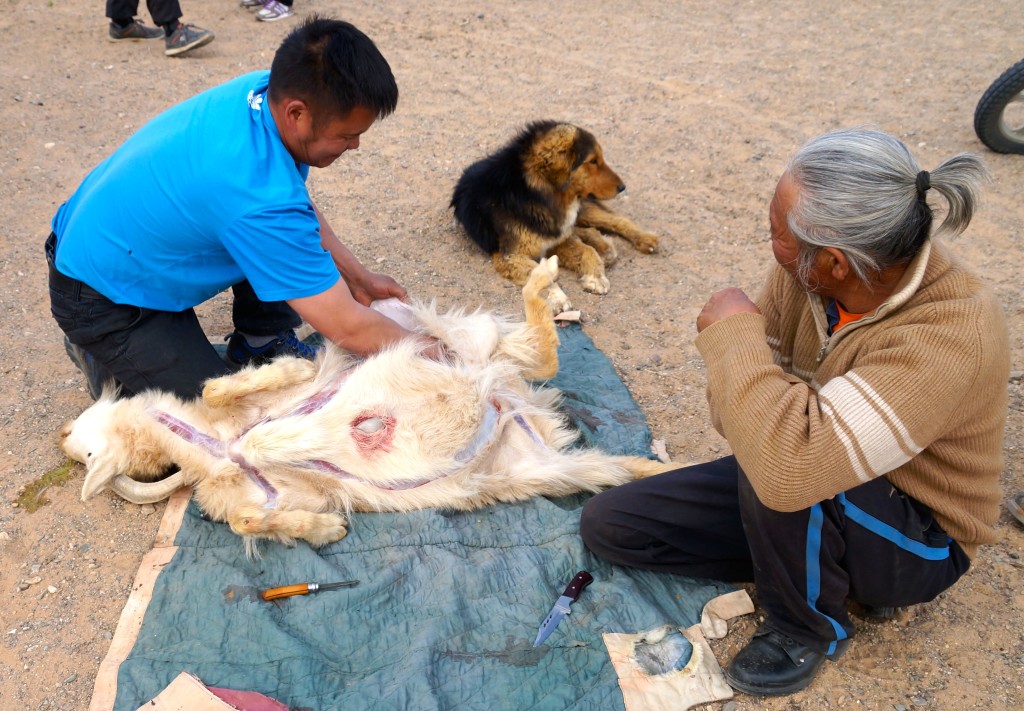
(861, 191)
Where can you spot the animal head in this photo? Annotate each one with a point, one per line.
(108, 440)
(569, 159)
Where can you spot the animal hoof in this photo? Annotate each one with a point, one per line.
(218, 393)
(595, 284)
(330, 529)
(543, 275)
(557, 299)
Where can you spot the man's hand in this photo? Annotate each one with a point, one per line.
(723, 304)
(374, 287)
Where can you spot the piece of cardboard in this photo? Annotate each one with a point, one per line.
(186, 693)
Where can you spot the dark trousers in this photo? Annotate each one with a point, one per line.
(144, 349)
(873, 544)
(162, 11)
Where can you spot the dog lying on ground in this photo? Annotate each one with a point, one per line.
(283, 451)
(541, 195)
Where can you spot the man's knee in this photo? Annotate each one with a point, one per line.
(594, 529)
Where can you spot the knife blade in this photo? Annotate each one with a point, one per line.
(561, 606)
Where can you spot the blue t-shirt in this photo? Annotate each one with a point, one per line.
(200, 198)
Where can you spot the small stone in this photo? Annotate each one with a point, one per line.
(51, 144)
(730, 706)
(51, 589)
(147, 509)
(71, 678)
(33, 581)
(918, 701)
(23, 586)
(899, 707)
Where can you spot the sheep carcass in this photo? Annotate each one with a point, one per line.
(284, 450)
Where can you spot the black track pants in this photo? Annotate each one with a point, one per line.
(146, 349)
(872, 544)
(162, 11)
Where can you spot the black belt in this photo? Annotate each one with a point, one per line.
(63, 282)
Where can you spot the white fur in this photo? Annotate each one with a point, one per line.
(275, 451)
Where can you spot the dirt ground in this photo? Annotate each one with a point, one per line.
(697, 105)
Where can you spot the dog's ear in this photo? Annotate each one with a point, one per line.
(557, 154)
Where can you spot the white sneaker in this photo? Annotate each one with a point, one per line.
(273, 11)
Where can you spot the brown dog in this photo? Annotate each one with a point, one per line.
(541, 195)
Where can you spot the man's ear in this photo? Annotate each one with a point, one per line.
(296, 113)
(837, 263)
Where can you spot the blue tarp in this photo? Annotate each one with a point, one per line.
(447, 606)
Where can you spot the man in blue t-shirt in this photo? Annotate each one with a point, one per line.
(211, 194)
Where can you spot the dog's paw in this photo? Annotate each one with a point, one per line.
(610, 255)
(595, 284)
(646, 242)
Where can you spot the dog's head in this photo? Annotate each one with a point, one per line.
(569, 159)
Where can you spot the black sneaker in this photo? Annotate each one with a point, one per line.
(774, 664)
(240, 353)
(96, 376)
(133, 32)
(186, 38)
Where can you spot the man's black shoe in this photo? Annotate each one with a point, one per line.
(773, 664)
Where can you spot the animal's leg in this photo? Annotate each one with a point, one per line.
(595, 214)
(583, 259)
(641, 467)
(530, 471)
(275, 375)
(589, 235)
(541, 321)
(517, 269)
(315, 528)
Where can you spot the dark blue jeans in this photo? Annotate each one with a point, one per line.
(145, 349)
(873, 544)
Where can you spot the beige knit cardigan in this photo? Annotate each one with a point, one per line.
(915, 391)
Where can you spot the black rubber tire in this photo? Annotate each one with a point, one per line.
(988, 116)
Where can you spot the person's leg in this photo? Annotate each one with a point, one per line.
(260, 318)
(684, 521)
(122, 11)
(263, 329)
(139, 349)
(872, 544)
(165, 13)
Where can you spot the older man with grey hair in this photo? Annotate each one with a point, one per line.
(864, 397)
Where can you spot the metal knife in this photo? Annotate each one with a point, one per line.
(561, 607)
(303, 589)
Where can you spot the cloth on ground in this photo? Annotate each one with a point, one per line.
(447, 606)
